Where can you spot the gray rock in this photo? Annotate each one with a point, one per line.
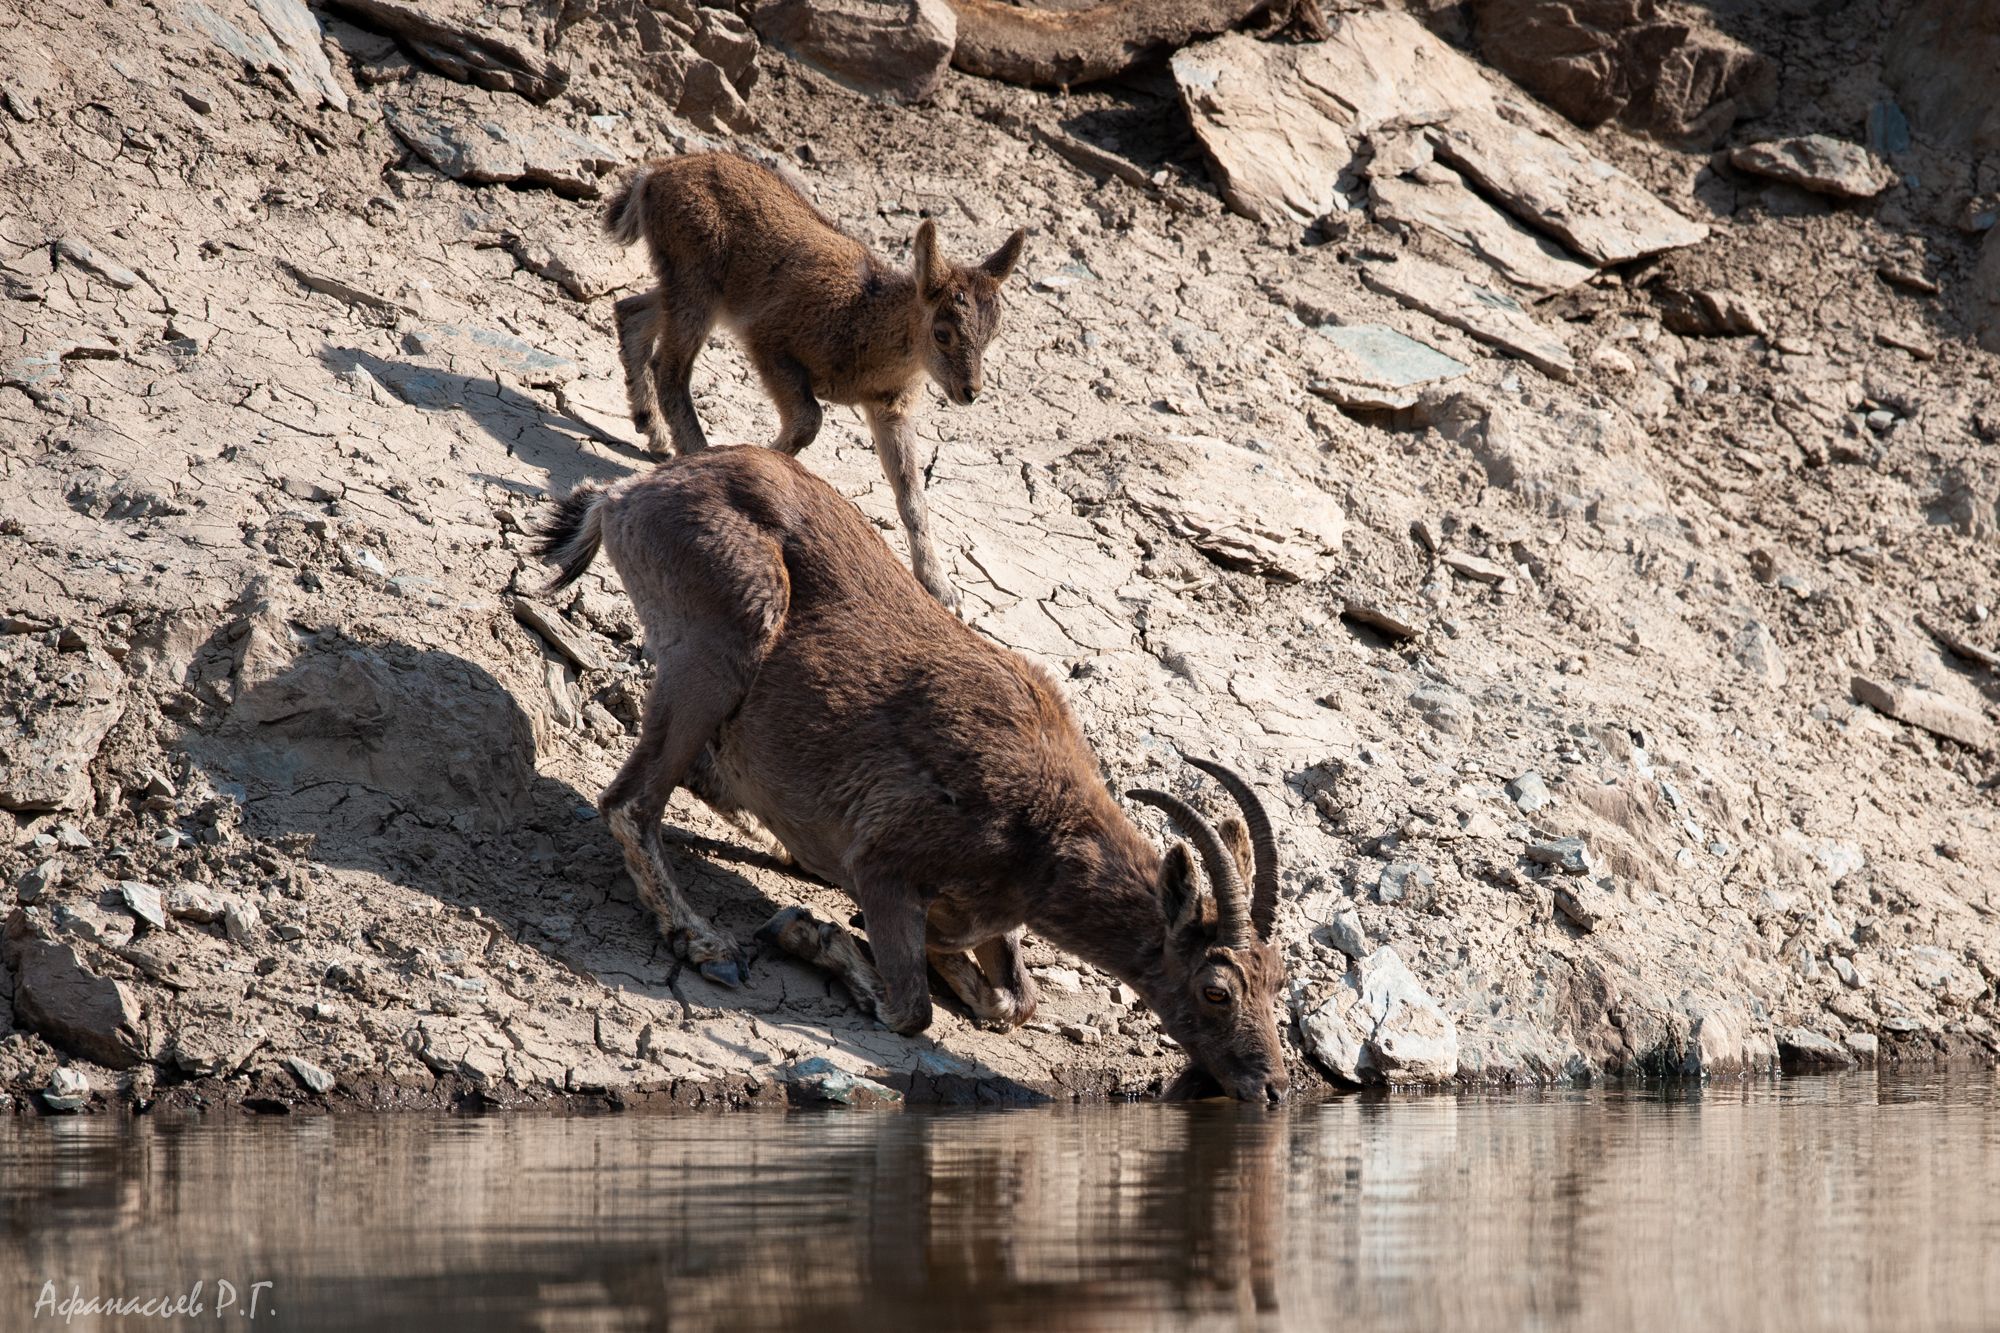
(1568, 855)
(67, 1090)
(1757, 653)
(1586, 904)
(1727, 1040)
(291, 46)
(1394, 885)
(241, 920)
(1443, 707)
(310, 1075)
(38, 880)
(144, 902)
(56, 995)
(1529, 792)
(1849, 974)
(81, 254)
(191, 902)
(1863, 1046)
(1818, 163)
(1379, 1025)
(1347, 934)
(898, 50)
(483, 138)
(1802, 1048)
(818, 1080)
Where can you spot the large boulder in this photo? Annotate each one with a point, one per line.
(899, 50)
(1634, 61)
(1379, 1025)
(57, 995)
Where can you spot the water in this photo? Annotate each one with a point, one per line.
(1830, 1203)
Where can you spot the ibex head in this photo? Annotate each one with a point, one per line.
(1220, 971)
(964, 305)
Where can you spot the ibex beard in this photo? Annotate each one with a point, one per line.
(805, 679)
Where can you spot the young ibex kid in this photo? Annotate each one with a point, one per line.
(819, 316)
(806, 679)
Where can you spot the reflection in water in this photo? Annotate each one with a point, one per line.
(1826, 1203)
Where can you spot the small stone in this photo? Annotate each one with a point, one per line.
(1395, 622)
(310, 1075)
(1394, 885)
(1348, 935)
(287, 931)
(1819, 163)
(818, 1080)
(1065, 979)
(1083, 1034)
(241, 920)
(144, 902)
(68, 1090)
(82, 255)
(70, 836)
(38, 880)
(1586, 906)
(1849, 974)
(1529, 792)
(1444, 708)
(191, 902)
(1921, 708)
(1864, 1046)
(1476, 567)
(1880, 420)
(1568, 855)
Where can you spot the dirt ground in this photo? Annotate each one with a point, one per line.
(280, 401)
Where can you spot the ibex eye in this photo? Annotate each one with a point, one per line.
(1215, 994)
(941, 333)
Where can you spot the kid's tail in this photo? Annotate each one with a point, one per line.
(627, 208)
(571, 534)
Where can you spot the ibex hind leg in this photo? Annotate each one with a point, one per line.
(638, 321)
(689, 700)
(687, 314)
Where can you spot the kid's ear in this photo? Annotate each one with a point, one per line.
(1179, 892)
(1237, 839)
(930, 265)
(1001, 262)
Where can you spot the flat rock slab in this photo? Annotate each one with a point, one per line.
(1436, 197)
(1819, 163)
(1283, 123)
(900, 50)
(482, 139)
(1488, 314)
(1268, 524)
(1921, 708)
(1374, 367)
(458, 50)
(280, 36)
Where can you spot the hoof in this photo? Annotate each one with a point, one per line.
(773, 931)
(728, 972)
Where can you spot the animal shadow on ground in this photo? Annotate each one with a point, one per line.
(558, 443)
(419, 766)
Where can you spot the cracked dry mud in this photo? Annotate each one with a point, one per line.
(279, 402)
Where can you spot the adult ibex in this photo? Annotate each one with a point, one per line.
(805, 678)
(820, 317)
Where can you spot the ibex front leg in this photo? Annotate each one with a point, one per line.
(995, 985)
(896, 445)
(895, 987)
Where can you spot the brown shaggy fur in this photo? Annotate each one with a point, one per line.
(820, 317)
(806, 679)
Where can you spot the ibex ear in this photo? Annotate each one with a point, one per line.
(1180, 892)
(930, 265)
(1000, 264)
(1237, 839)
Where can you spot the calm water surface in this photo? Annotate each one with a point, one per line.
(1847, 1202)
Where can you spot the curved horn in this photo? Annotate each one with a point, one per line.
(1263, 845)
(1223, 881)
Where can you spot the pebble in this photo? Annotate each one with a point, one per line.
(191, 902)
(1394, 885)
(1081, 1033)
(1529, 792)
(241, 920)
(310, 1075)
(1881, 419)
(70, 836)
(1849, 974)
(144, 902)
(37, 881)
(1348, 935)
(68, 1090)
(1568, 855)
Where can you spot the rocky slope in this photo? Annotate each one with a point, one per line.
(1623, 679)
